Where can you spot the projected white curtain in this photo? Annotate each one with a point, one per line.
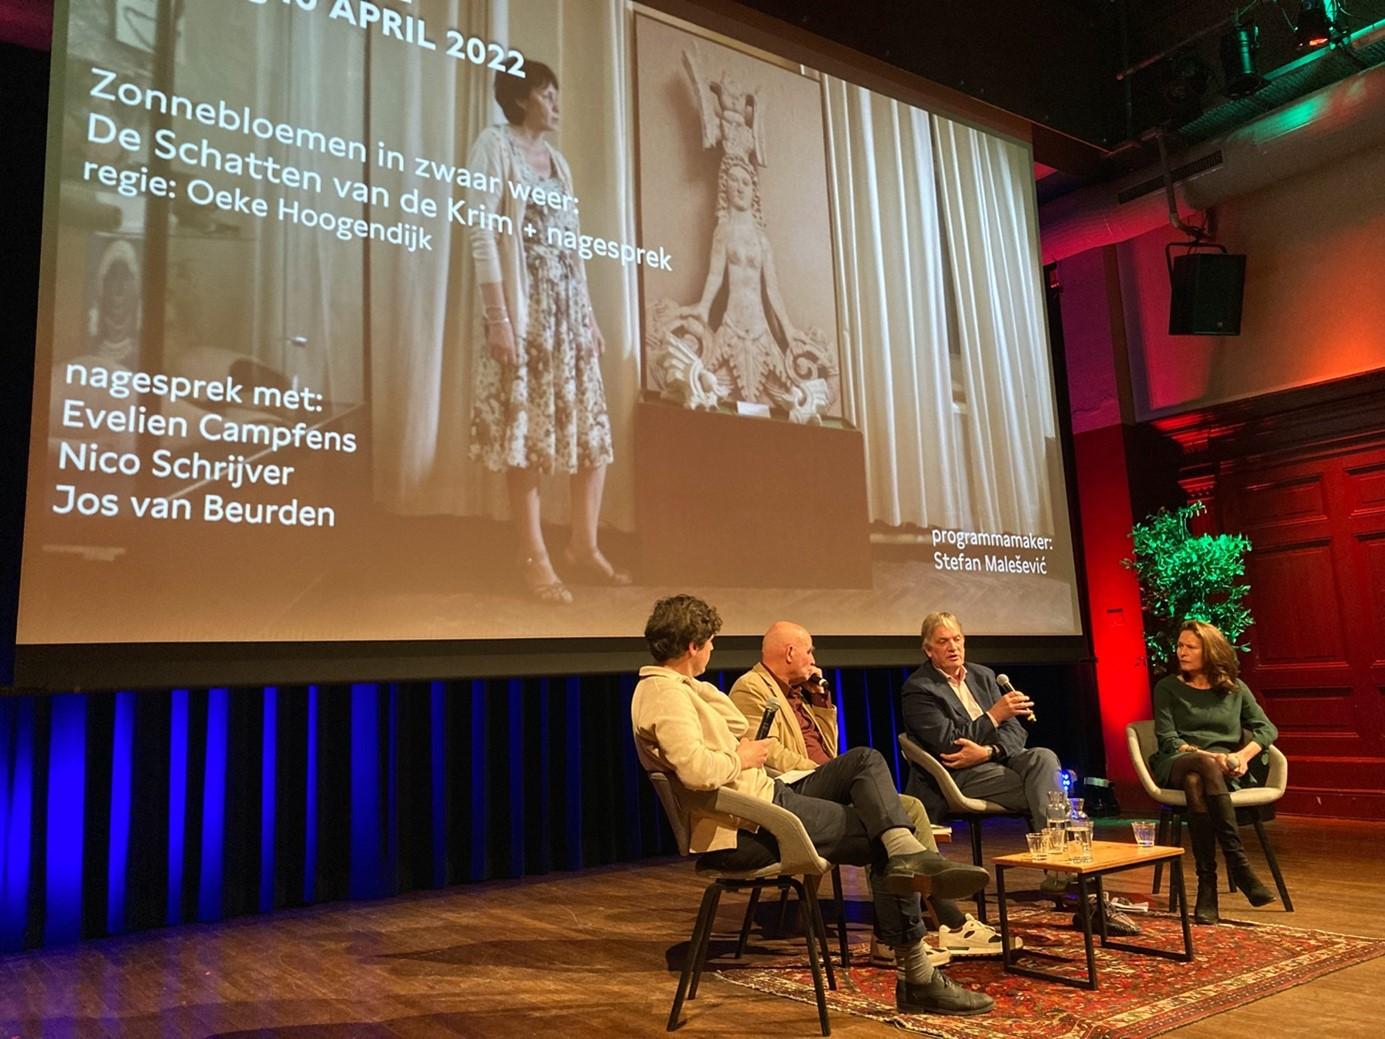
(426, 321)
(303, 287)
(891, 273)
(947, 375)
(990, 225)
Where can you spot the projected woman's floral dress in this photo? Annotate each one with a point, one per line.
(549, 412)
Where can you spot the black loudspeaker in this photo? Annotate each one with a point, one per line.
(1206, 298)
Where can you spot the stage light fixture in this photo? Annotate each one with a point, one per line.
(1240, 77)
(1314, 25)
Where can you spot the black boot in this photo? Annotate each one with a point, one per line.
(1205, 857)
(1228, 833)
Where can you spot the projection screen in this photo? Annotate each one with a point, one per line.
(336, 348)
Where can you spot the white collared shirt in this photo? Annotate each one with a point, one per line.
(959, 686)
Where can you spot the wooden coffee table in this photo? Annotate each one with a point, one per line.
(1107, 857)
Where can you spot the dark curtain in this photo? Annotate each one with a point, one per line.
(124, 811)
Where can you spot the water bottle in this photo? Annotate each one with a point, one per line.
(1057, 817)
(1079, 833)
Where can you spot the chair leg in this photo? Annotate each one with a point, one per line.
(705, 912)
(975, 826)
(783, 912)
(706, 943)
(814, 931)
(1176, 840)
(750, 905)
(841, 916)
(812, 884)
(1274, 865)
(1162, 837)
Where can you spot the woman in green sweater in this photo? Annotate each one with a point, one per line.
(1209, 729)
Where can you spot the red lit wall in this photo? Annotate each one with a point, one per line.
(27, 23)
(1113, 595)
(1093, 340)
(1287, 408)
(1314, 305)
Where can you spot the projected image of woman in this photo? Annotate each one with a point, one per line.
(540, 402)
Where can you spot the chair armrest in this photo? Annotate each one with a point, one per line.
(947, 786)
(1278, 776)
(1137, 758)
(796, 851)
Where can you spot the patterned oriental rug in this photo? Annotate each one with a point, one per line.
(1139, 995)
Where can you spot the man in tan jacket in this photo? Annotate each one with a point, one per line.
(803, 735)
(848, 807)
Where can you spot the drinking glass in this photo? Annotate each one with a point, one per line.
(1144, 833)
(1055, 841)
(1079, 847)
(1038, 846)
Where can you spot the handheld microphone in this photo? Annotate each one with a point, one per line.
(820, 681)
(767, 719)
(1005, 687)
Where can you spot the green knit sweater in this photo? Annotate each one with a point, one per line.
(1206, 718)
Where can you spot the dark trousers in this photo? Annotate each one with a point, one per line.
(845, 805)
(1021, 784)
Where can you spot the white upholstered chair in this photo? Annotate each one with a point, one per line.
(972, 810)
(1173, 804)
(800, 868)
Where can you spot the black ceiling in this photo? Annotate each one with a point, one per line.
(1056, 62)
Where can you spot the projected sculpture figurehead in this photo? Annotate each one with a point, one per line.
(738, 341)
(731, 116)
(742, 348)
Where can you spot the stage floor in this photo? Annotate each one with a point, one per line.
(593, 953)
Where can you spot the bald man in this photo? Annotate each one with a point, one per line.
(803, 735)
(805, 729)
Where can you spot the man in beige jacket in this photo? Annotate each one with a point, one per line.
(803, 735)
(848, 807)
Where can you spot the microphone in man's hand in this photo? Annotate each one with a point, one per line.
(820, 681)
(1005, 687)
(767, 719)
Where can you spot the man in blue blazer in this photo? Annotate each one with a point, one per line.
(958, 713)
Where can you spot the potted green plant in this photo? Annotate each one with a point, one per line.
(1186, 576)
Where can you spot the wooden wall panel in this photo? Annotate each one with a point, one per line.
(1322, 711)
(1372, 552)
(1299, 576)
(1286, 501)
(1366, 484)
(1303, 475)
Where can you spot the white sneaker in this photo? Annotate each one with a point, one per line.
(882, 955)
(974, 939)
